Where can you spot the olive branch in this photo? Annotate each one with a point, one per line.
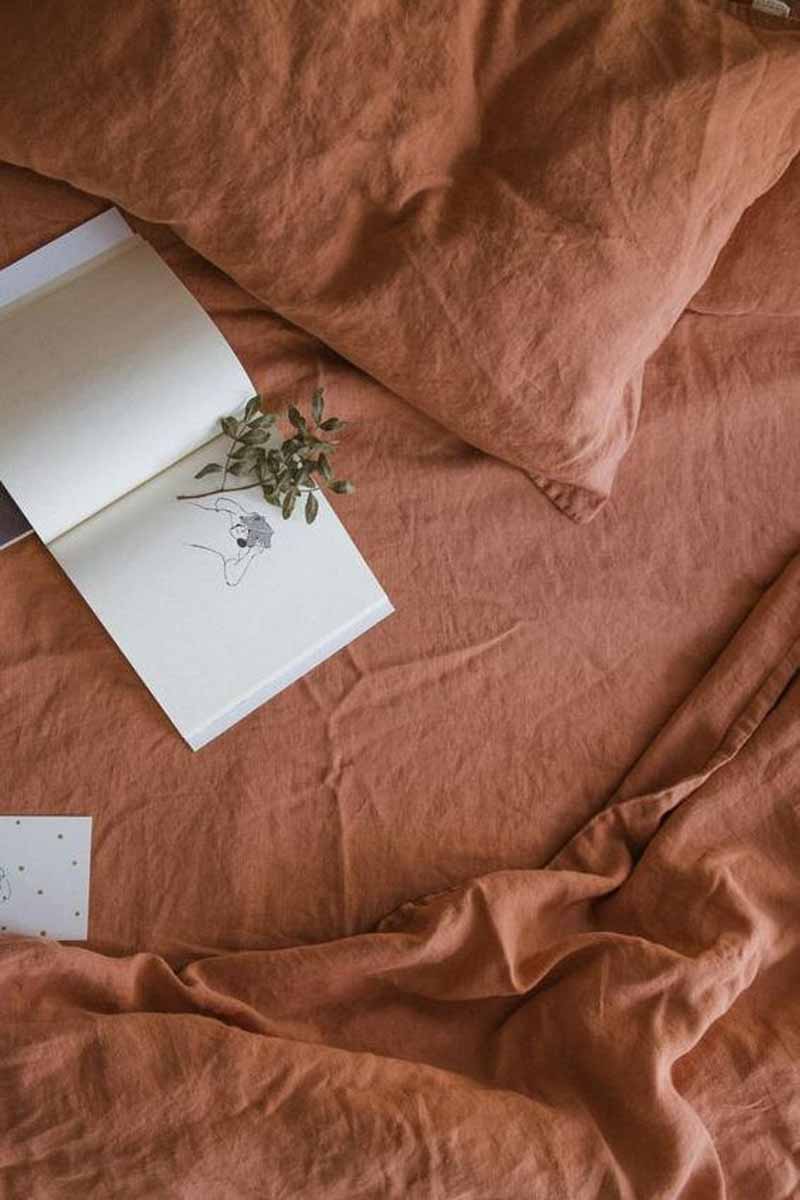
(285, 469)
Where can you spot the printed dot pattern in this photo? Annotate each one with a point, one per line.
(44, 876)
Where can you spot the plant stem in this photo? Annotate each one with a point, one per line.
(216, 491)
(244, 487)
(225, 471)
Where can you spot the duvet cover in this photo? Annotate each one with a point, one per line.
(502, 901)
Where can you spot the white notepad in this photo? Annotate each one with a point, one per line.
(112, 383)
(44, 876)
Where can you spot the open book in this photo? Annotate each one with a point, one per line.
(112, 383)
(14, 525)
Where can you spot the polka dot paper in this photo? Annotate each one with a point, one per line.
(44, 876)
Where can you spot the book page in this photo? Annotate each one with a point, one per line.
(219, 603)
(108, 374)
(55, 260)
(13, 524)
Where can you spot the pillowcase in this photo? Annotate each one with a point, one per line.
(496, 209)
(759, 269)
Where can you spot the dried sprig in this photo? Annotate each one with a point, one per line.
(286, 469)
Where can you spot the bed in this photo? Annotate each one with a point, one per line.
(502, 900)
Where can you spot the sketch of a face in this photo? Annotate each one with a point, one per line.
(5, 886)
(250, 531)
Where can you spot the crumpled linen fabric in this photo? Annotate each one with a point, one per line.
(584, 985)
(498, 211)
(528, 664)
(757, 271)
(619, 1022)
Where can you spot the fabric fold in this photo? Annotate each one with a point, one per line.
(577, 1030)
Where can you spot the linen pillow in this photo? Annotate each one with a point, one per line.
(759, 269)
(496, 209)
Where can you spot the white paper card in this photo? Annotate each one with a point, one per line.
(44, 876)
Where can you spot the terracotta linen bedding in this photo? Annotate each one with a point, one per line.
(620, 1023)
(529, 663)
(757, 270)
(497, 209)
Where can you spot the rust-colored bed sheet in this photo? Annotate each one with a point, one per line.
(616, 1023)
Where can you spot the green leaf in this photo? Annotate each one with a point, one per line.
(297, 419)
(208, 469)
(343, 486)
(256, 437)
(332, 424)
(317, 405)
(312, 507)
(253, 405)
(230, 426)
(289, 501)
(325, 468)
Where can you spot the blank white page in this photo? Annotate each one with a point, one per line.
(51, 262)
(213, 630)
(109, 372)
